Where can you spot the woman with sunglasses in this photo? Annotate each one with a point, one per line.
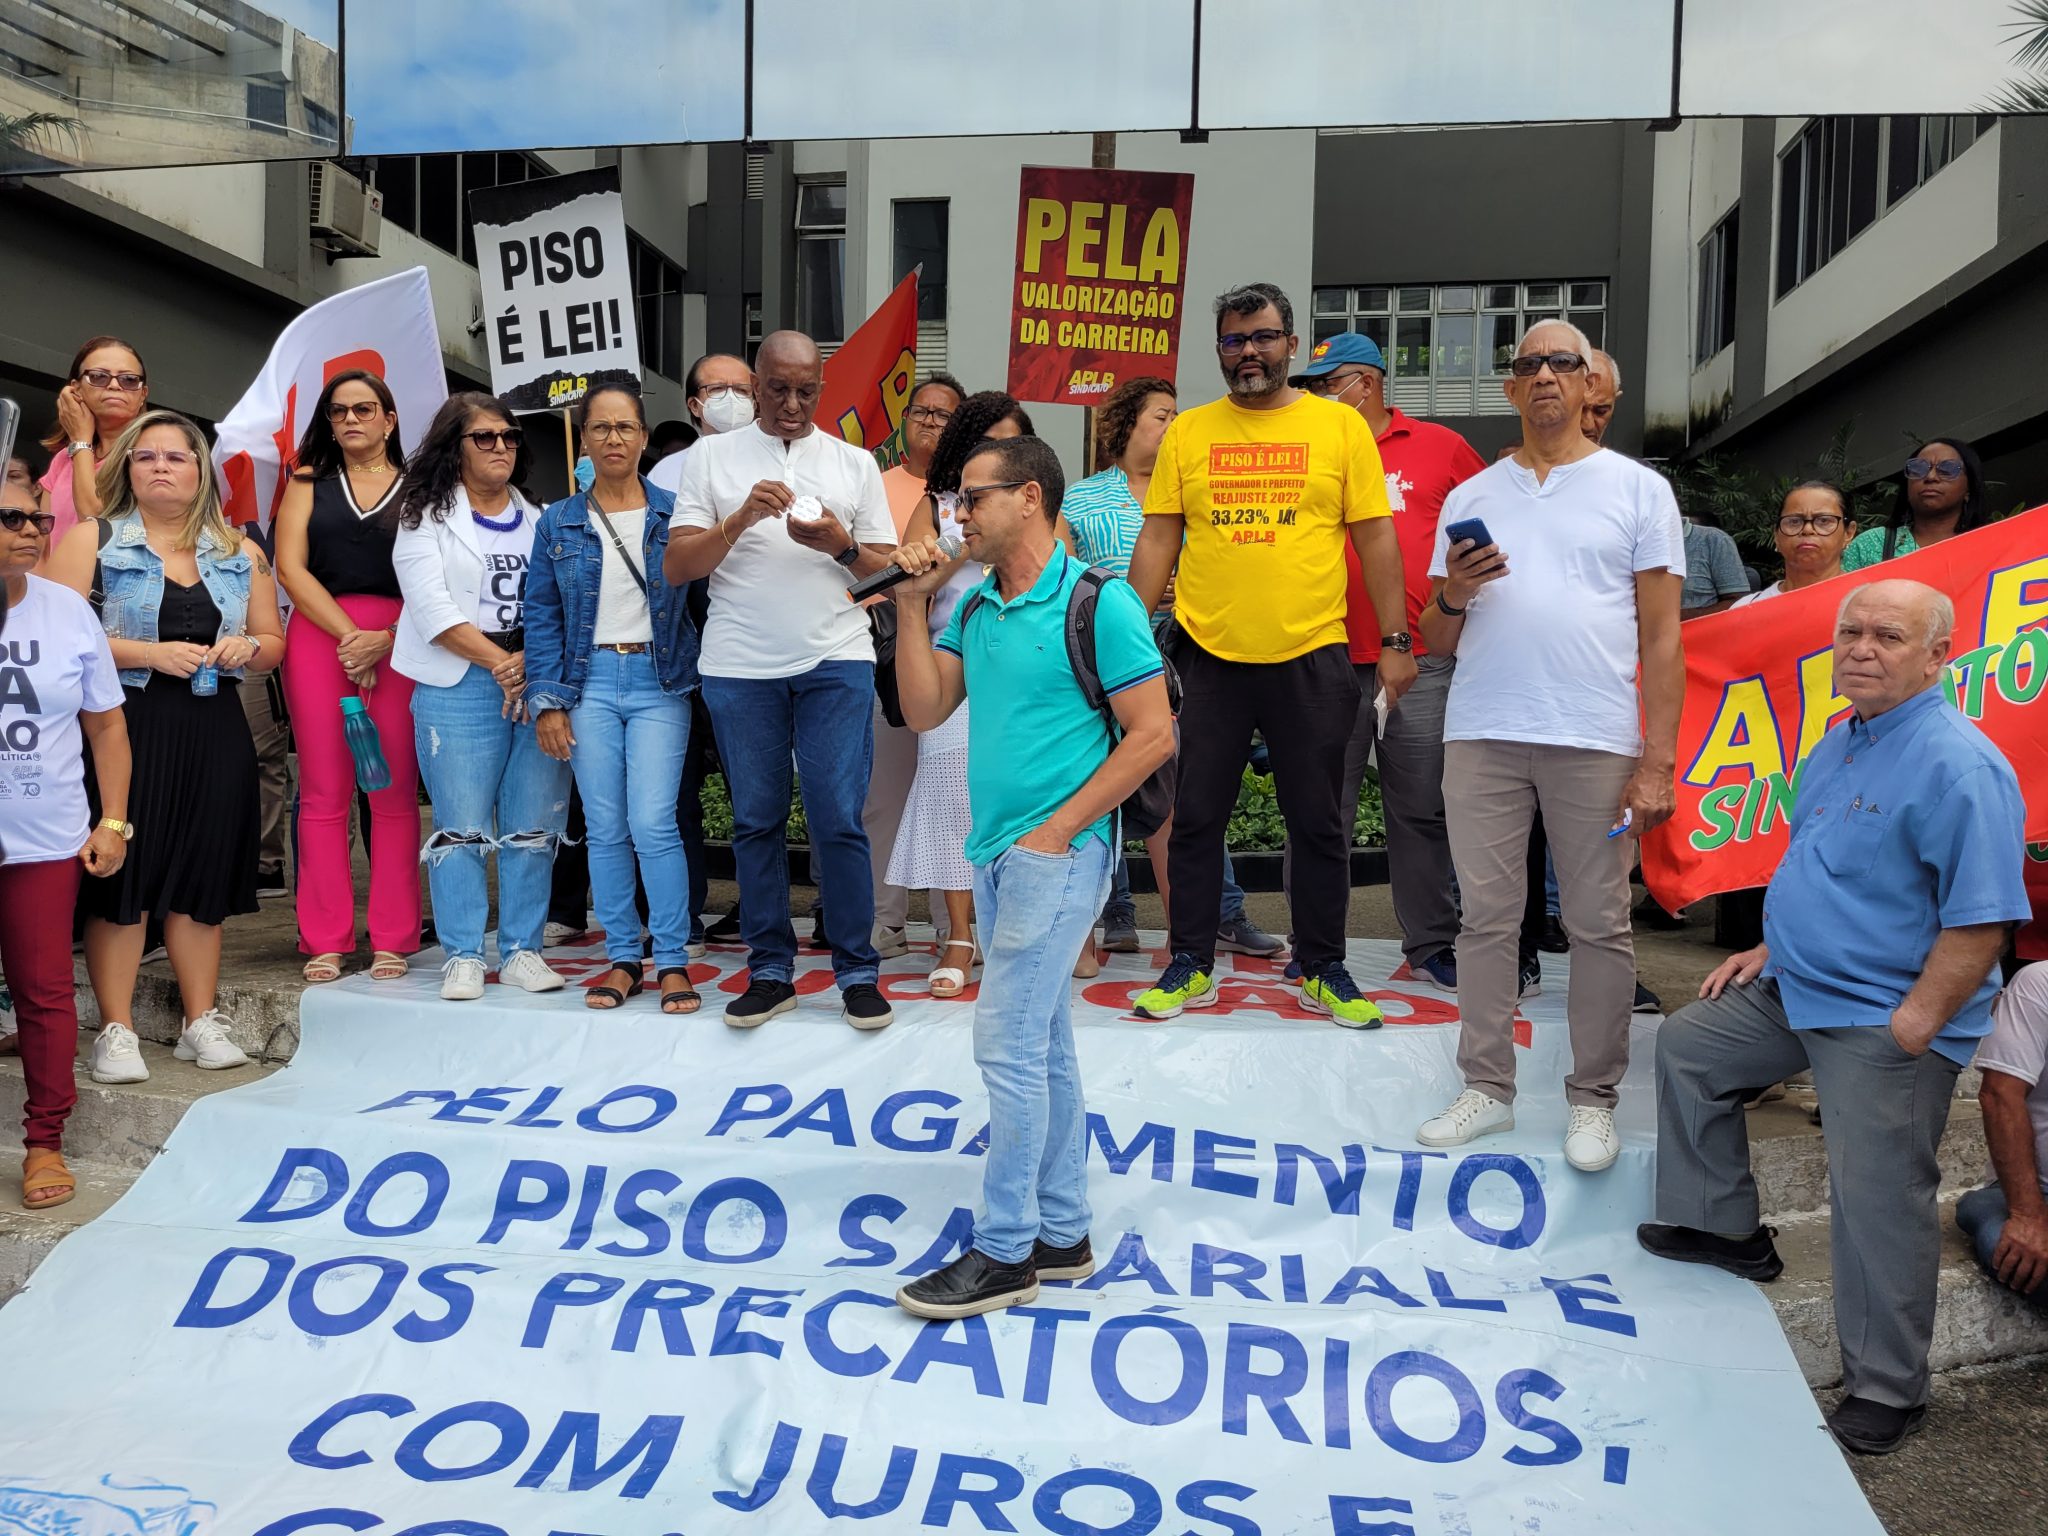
(1941, 494)
(107, 388)
(334, 532)
(611, 661)
(465, 535)
(189, 608)
(930, 852)
(62, 690)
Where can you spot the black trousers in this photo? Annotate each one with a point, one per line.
(1306, 709)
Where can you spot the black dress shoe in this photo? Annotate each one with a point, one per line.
(1073, 1263)
(1873, 1429)
(725, 931)
(759, 1003)
(1754, 1257)
(1554, 941)
(972, 1283)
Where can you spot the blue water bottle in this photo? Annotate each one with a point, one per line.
(206, 681)
(372, 772)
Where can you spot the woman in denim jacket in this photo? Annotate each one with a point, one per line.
(611, 661)
(189, 608)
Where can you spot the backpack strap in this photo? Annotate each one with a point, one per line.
(98, 596)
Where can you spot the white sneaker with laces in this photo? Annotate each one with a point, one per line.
(117, 1056)
(1589, 1140)
(525, 969)
(561, 933)
(462, 979)
(205, 1043)
(1471, 1114)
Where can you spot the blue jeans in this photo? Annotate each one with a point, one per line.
(482, 771)
(1033, 911)
(628, 759)
(824, 719)
(1121, 905)
(1982, 1214)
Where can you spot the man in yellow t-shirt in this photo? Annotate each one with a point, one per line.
(1263, 487)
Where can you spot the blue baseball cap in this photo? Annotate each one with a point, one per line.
(1345, 347)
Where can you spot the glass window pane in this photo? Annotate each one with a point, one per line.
(1330, 301)
(821, 289)
(1863, 174)
(1813, 203)
(671, 364)
(821, 205)
(1836, 160)
(921, 230)
(1371, 300)
(1534, 318)
(1788, 221)
(1457, 300)
(1962, 133)
(647, 315)
(1411, 347)
(441, 218)
(1902, 159)
(1326, 326)
(398, 180)
(1934, 145)
(1455, 346)
(1587, 295)
(1379, 328)
(1414, 301)
(1500, 334)
(1498, 296)
(1543, 295)
(1594, 323)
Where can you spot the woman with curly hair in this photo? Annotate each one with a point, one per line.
(931, 849)
(1101, 515)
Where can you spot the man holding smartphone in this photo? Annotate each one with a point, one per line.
(1565, 589)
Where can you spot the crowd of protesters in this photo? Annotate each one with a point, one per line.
(1503, 641)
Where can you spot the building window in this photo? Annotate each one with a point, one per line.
(1447, 345)
(658, 307)
(821, 261)
(1917, 147)
(757, 330)
(1717, 288)
(322, 124)
(920, 239)
(429, 194)
(266, 107)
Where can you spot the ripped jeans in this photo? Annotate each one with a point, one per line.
(492, 787)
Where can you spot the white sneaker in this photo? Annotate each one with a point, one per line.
(463, 979)
(525, 969)
(1472, 1114)
(205, 1043)
(561, 933)
(891, 942)
(1589, 1140)
(695, 949)
(117, 1056)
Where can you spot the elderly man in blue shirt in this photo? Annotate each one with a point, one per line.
(1882, 931)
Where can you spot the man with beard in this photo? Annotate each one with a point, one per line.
(1263, 488)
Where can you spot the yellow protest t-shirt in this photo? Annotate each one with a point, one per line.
(1267, 496)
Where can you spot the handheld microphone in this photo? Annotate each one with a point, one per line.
(889, 575)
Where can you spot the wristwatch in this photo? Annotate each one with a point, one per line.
(848, 555)
(1403, 642)
(125, 828)
(75, 449)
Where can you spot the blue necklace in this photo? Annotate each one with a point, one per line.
(509, 525)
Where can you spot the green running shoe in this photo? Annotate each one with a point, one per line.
(1185, 985)
(1335, 993)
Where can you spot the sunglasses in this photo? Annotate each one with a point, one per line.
(14, 521)
(490, 442)
(1946, 469)
(101, 378)
(1531, 364)
(1820, 522)
(168, 458)
(1230, 343)
(360, 410)
(971, 495)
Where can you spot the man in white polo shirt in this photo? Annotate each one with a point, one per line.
(782, 518)
(1574, 588)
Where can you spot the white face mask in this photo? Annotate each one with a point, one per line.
(727, 411)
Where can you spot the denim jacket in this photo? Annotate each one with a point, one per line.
(134, 586)
(561, 602)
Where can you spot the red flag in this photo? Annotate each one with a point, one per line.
(868, 381)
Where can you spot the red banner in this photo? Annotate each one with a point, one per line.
(1101, 262)
(868, 381)
(1759, 695)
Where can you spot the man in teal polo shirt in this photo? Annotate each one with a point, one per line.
(1045, 775)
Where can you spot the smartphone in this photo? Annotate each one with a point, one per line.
(1469, 528)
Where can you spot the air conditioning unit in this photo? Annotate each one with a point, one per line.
(347, 213)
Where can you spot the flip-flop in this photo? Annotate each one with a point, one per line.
(45, 1179)
(686, 998)
(322, 968)
(387, 965)
(949, 981)
(613, 997)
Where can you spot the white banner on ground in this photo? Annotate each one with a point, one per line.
(386, 327)
(509, 1268)
(557, 288)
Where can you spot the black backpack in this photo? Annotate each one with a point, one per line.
(1151, 804)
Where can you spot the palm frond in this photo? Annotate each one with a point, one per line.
(2031, 31)
(2020, 98)
(34, 133)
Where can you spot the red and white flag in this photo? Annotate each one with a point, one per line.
(387, 327)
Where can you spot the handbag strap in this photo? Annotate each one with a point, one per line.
(618, 543)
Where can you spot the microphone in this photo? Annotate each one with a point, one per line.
(889, 575)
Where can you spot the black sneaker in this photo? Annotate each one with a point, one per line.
(1646, 1001)
(972, 1283)
(1120, 933)
(866, 1008)
(1754, 1257)
(270, 880)
(759, 1003)
(1072, 1263)
(1530, 982)
(725, 931)
(1873, 1429)
(1554, 940)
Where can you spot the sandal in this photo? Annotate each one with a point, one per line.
(608, 997)
(323, 968)
(45, 1180)
(387, 965)
(682, 999)
(948, 981)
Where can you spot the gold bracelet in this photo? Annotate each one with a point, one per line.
(723, 534)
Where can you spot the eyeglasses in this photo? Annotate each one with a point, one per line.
(101, 378)
(1331, 385)
(1531, 364)
(168, 458)
(1819, 522)
(718, 391)
(14, 521)
(491, 442)
(935, 415)
(611, 431)
(1230, 343)
(358, 410)
(1946, 469)
(970, 495)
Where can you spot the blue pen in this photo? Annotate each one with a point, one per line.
(1627, 820)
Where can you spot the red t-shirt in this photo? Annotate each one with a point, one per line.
(1423, 462)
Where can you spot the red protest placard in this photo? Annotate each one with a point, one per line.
(1101, 264)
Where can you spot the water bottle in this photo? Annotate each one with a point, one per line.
(372, 772)
(206, 681)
